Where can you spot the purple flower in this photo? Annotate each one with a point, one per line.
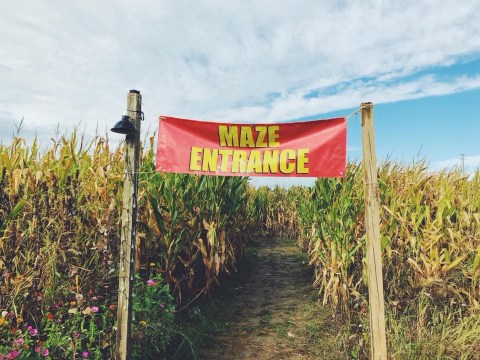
(84, 354)
(37, 349)
(13, 354)
(33, 332)
(45, 352)
(18, 342)
(94, 309)
(75, 335)
(29, 328)
(150, 282)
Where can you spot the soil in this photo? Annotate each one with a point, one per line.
(269, 309)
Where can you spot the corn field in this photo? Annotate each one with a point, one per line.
(59, 230)
(274, 211)
(430, 238)
(59, 223)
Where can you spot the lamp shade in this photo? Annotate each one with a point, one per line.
(124, 126)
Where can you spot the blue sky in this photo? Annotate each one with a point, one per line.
(72, 63)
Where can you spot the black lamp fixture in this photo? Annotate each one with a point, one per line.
(124, 126)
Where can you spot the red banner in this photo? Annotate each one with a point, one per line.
(310, 148)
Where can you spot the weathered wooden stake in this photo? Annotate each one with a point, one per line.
(128, 231)
(372, 224)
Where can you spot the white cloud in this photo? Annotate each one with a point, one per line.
(66, 62)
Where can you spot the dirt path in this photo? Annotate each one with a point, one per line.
(269, 309)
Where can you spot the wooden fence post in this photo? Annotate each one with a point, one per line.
(128, 230)
(372, 225)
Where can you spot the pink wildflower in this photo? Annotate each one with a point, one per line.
(18, 342)
(84, 354)
(13, 354)
(45, 352)
(94, 309)
(33, 332)
(150, 282)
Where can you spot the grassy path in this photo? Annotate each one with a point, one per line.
(269, 310)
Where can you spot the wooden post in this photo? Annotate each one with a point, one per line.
(372, 225)
(128, 231)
